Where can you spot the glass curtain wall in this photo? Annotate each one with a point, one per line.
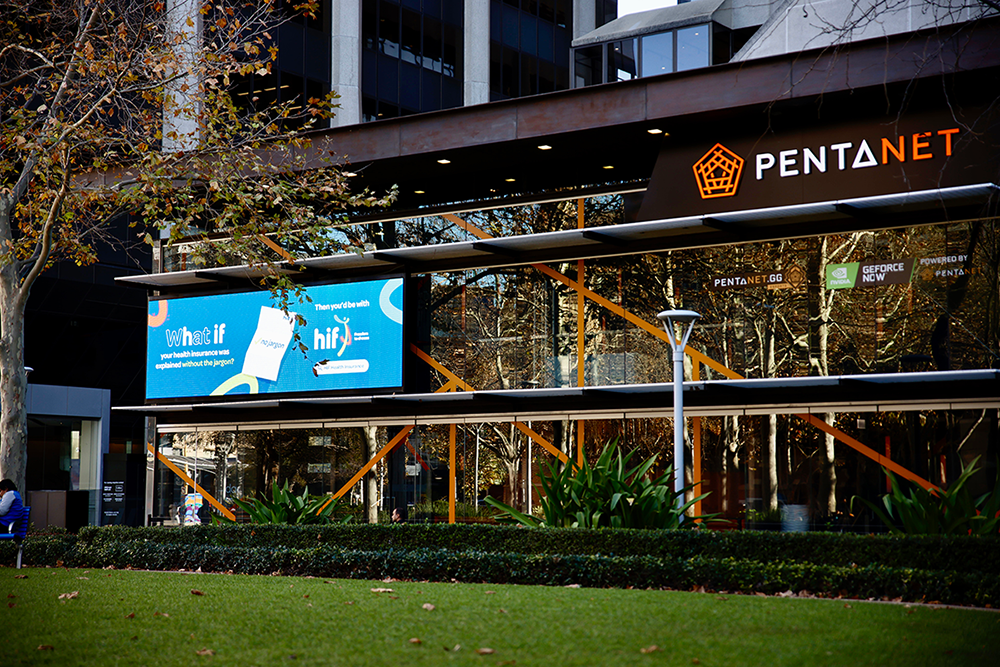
(769, 309)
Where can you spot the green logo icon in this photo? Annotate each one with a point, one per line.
(841, 276)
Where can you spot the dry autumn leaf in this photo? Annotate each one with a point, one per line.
(205, 651)
(195, 591)
(69, 596)
(20, 576)
(382, 590)
(650, 649)
(428, 606)
(485, 651)
(46, 647)
(415, 640)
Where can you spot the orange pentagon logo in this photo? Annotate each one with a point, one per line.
(718, 172)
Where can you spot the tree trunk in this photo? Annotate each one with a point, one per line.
(828, 473)
(13, 377)
(371, 482)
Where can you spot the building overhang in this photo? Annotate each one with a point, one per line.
(781, 222)
(889, 392)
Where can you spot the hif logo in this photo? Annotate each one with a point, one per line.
(718, 172)
(329, 339)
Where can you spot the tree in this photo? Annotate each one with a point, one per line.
(111, 108)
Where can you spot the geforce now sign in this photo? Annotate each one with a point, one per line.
(347, 336)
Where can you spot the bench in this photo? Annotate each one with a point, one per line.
(15, 528)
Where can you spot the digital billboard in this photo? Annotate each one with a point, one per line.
(230, 344)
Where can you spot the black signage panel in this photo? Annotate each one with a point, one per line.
(730, 171)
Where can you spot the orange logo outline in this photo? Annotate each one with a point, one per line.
(718, 172)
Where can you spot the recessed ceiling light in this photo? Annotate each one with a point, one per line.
(509, 180)
(418, 192)
(655, 131)
(545, 147)
(443, 161)
(608, 166)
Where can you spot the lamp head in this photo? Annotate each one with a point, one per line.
(678, 316)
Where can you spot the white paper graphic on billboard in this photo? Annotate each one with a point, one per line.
(269, 343)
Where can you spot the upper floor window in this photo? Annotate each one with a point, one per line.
(648, 55)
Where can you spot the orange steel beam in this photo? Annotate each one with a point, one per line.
(275, 247)
(548, 446)
(452, 432)
(696, 444)
(368, 466)
(190, 482)
(697, 356)
(581, 339)
(882, 460)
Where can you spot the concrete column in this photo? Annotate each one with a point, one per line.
(181, 108)
(584, 19)
(476, 52)
(345, 65)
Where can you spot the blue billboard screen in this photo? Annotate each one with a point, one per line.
(231, 344)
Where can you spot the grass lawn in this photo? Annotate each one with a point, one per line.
(113, 617)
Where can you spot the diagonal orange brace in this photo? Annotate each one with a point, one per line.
(883, 461)
(405, 431)
(705, 359)
(190, 482)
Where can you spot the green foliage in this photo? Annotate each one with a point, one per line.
(937, 511)
(956, 569)
(286, 507)
(608, 494)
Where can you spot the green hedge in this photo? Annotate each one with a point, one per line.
(959, 554)
(958, 570)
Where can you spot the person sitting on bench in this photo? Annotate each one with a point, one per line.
(11, 507)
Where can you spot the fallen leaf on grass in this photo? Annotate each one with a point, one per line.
(69, 596)
(46, 647)
(306, 595)
(134, 637)
(490, 592)
(415, 640)
(847, 606)
(11, 595)
(205, 651)
(11, 605)
(696, 661)
(650, 649)
(87, 578)
(428, 606)
(195, 591)
(485, 651)
(161, 613)
(786, 594)
(20, 576)
(382, 590)
(457, 647)
(348, 603)
(502, 610)
(132, 615)
(572, 586)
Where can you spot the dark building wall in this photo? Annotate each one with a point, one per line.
(83, 330)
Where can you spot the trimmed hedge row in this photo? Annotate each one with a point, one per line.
(947, 570)
(964, 554)
(728, 574)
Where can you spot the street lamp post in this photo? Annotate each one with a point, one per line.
(686, 318)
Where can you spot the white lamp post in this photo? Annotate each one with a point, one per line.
(687, 319)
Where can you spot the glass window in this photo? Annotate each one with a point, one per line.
(388, 29)
(528, 31)
(657, 54)
(588, 66)
(621, 61)
(692, 48)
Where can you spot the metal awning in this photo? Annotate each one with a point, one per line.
(782, 222)
(952, 390)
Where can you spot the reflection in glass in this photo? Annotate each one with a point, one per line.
(621, 61)
(657, 54)
(692, 48)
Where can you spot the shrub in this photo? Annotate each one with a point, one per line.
(608, 495)
(937, 511)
